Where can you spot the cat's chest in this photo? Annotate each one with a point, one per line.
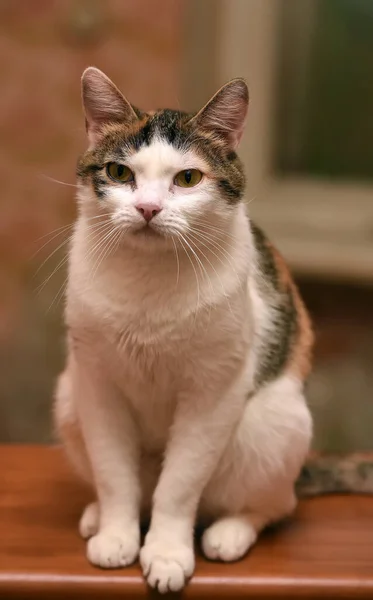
(153, 410)
(149, 380)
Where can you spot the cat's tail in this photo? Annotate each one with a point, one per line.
(352, 474)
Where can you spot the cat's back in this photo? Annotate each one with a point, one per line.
(286, 336)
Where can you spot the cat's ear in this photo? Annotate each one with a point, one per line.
(225, 114)
(103, 103)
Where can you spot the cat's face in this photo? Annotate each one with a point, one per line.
(161, 177)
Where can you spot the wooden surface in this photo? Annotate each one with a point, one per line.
(325, 551)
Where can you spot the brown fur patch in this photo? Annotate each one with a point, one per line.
(299, 362)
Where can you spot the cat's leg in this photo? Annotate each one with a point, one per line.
(70, 433)
(254, 483)
(201, 429)
(90, 521)
(68, 427)
(111, 443)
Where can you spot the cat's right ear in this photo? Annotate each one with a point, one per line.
(103, 103)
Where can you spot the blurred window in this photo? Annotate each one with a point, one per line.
(325, 88)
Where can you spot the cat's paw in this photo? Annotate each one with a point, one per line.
(167, 565)
(111, 550)
(229, 539)
(89, 521)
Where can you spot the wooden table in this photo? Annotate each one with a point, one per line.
(325, 551)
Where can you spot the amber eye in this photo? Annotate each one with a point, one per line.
(188, 178)
(120, 173)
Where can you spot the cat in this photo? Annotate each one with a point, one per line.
(188, 343)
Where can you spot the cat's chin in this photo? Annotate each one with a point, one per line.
(148, 239)
(147, 232)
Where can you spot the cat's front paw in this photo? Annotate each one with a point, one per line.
(166, 564)
(111, 550)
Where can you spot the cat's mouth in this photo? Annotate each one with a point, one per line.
(148, 231)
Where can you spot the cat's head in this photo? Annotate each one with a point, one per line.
(158, 177)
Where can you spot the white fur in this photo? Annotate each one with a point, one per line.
(154, 403)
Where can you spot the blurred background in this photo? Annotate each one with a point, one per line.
(307, 151)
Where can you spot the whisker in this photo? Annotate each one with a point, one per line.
(101, 248)
(209, 227)
(258, 273)
(66, 228)
(59, 294)
(212, 235)
(199, 262)
(67, 240)
(59, 231)
(216, 273)
(219, 248)
(52, 179)
(196, 276)
(90, 253)
(109, 246)
(177, 262)
(61, 263)
(52, 254)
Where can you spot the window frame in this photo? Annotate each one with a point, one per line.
(330, 232)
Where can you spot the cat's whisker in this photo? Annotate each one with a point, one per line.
(201, 266)
(61, 263)
(96, 244)
(48, 242)
(177, 261)
(257, 271)
(181, 237)
(63, 229)
(89, 255)
(198, 242)
(58, 230)
(97, 232)
(57, 268)
(215, 271)
(215, 236)
(111, 244)
(211, 243)
(213, 228)
(66, 241)
(59, 294)
(205, 273)
(103, 247)
(53, 180)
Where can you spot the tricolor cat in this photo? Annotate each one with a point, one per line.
(188, 342)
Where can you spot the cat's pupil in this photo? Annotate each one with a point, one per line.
(120, 170)
(188, 176)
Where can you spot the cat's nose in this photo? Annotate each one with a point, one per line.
(148, 210)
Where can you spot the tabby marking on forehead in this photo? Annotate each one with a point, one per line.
(120, 141)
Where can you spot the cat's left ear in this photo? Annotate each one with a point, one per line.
(225, 114)
(103, 103)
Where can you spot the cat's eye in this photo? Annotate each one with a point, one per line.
(120, 173)
(188, 178)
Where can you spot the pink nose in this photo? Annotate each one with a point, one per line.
(148, 210)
